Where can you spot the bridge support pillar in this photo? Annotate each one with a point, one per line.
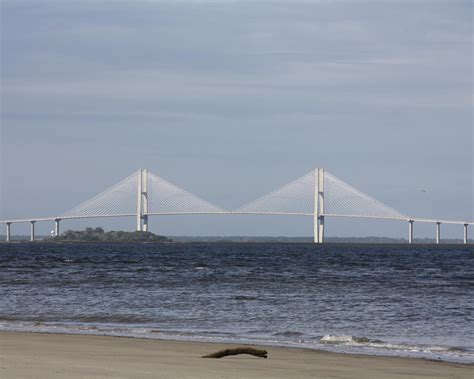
(145, 223)
(145, 200)
(139, 200)
(321, 229)
(9, 236)
(465, 234)
(410, 231)
(438, 232)
(315, 227)
(318, 218)
(142, 201)
(56, 227)
(32, 231)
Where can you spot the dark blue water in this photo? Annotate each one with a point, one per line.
(400, 300)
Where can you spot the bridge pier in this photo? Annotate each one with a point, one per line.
(438, 232)
(142, 201)
(32, 231)
(8, 231)
(410, 231)
(321, 229)
(145, 200)
(139, 200)
(145, 223)
(56, 227)
(465, 234)
(318, 218)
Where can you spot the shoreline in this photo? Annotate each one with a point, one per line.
(51, 355)
(342, 347)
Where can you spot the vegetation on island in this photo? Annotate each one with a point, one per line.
(99, 235)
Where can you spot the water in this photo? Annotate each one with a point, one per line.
(385, 299)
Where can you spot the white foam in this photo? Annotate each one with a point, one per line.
(337, 339)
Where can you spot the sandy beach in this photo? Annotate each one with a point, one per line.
(36, 355)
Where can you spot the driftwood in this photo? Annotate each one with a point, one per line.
(239, 350)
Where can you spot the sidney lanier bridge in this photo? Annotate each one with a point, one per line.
(318, 195)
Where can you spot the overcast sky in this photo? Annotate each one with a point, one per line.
(230, 99)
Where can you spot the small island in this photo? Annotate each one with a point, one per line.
(99, 235)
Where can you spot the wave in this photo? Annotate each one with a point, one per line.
(83, 319)
(345, 339)
(348, 340)
(288, 334)
(242, 297)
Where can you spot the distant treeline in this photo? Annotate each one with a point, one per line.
(99, 235)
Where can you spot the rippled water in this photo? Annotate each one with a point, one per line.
(397, 300)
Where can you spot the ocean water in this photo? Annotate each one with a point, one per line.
(372, 299)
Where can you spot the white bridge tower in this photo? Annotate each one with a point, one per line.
(318, 213)
(142, 201)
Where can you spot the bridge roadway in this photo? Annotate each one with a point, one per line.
(411, 221)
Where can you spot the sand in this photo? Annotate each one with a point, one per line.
(37, 355)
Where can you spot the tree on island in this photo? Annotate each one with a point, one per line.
(99, 235)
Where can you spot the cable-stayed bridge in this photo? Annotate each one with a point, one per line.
(318, 195)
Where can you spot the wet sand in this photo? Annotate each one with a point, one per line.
(39, 355)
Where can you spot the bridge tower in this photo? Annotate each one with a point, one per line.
(142, 200)
(8, 231)
(318, 212)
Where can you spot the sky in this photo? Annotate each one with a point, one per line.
(231, 99)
